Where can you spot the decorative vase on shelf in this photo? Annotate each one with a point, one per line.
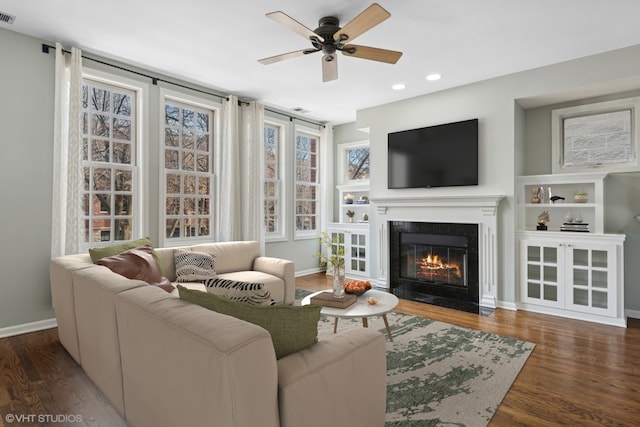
(569, 218)
(338, 281)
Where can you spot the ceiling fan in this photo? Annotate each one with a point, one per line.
(330, 38)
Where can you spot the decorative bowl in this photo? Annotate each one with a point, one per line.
(580, 198)
(356, 287)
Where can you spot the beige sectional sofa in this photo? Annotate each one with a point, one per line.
(162, 361)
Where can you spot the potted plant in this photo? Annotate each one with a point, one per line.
(580, 197)
(348, 199)
(331, 256)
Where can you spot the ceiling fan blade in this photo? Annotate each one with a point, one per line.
(287, 21)
(372, 53)
(283, 56)
(329, 67)
(369, 18)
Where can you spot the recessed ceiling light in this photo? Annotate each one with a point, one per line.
(434, 77)
(398, 86)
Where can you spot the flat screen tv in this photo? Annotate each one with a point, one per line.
(436, 156)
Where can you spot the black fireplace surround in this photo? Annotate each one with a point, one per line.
(435, 263)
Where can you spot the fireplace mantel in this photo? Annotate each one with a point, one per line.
(490, 202)
(479, 209)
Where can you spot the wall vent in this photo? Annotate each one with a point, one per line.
(6, 18)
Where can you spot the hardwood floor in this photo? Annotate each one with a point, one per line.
(580, 374)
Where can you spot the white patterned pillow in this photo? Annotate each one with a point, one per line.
(250, 293)
(194, 266)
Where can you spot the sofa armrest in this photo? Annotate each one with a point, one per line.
(341, 380)
(281, 268)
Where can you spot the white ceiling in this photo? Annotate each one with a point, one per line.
(217, 43)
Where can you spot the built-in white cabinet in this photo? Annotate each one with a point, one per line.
(579, 273)
(576, 276)
(355, 240)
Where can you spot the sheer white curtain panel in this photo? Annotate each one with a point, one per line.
(68, 179)
(229, 219)
(252, 164)
(326, 177)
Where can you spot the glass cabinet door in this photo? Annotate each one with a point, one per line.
(542, 280)
(358, 252)
(355, 242)
(591, 278)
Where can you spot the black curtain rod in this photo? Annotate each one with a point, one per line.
(155, 80)
(292, 118)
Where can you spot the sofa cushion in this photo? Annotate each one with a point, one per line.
(101, 252)
(137, 263)
(193, 266)
(292, 328)
(247, 292)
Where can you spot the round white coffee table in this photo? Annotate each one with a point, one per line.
(361, 308)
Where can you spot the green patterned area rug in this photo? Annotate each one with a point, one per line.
(440, 374)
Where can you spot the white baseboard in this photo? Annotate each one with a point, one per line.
(28, 327)
(507, 305)
(308, 272)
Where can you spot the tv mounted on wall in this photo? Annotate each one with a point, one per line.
(436, 156)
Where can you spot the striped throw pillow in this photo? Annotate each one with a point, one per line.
(194, 266)
(247, 292)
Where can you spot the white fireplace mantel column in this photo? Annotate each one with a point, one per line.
(481, 210)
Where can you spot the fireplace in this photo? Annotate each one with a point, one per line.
(436, 263)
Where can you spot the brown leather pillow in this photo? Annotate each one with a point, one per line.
(137, 263)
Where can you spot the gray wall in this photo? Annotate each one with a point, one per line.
(26, 128)
(515, 139)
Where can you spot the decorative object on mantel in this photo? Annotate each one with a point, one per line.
(543, 220)
(348, 199)
(580, 197)
(350, 214)
(363, 200)
(333, 259)
(557, 199)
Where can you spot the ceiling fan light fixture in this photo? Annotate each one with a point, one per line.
(330, 38)
(433, 77)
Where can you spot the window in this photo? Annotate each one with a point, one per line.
(273, 180)
(354, 162)
(109, 120)
(188, 170)
(603, 135)
(307, 193)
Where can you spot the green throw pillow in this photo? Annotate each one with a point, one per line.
(292, 328)
(102, 252)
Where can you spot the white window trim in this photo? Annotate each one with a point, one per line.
(141, 185)
(216, 107)
(312, 234)
(342, 159)
(283, 234)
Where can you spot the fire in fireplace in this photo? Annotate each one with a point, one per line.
(432, 267)
(435, 263)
